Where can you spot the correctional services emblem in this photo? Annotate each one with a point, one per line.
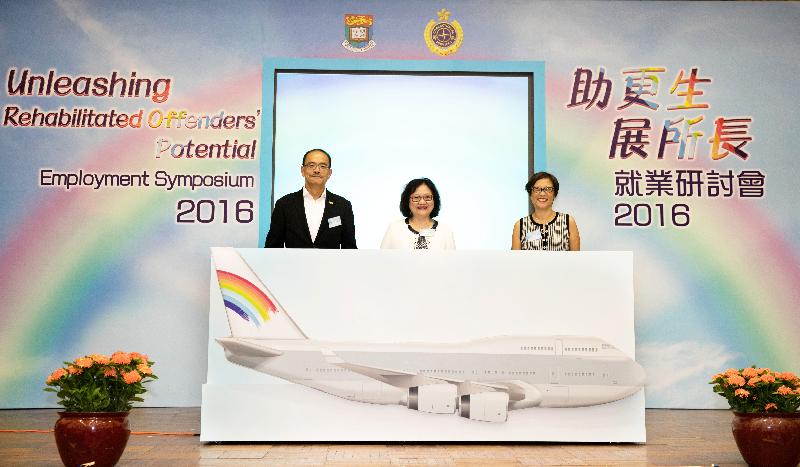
(443, 38)
(358, 33)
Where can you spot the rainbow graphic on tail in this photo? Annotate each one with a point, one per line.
(248, 303)
(244, 298)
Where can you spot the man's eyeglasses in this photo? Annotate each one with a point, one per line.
(546, 189)
(418, 198)
(314, 165)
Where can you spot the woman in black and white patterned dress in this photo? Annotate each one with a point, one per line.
(545, 229)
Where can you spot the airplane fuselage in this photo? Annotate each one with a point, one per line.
(559, 371)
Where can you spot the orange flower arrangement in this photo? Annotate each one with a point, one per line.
(756, 390)
(98, 383)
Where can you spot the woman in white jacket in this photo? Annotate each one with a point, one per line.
(418, 230)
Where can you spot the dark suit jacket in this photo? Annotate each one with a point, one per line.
(289, 227)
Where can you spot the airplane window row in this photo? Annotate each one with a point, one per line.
(506, 372)
(475, 372)
(536, 347)
(581, 349)
(586, 373)
(487, 372)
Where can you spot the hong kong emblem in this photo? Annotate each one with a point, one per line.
(358, 33)
(443, 38)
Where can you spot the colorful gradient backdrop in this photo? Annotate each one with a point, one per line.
(86, 271)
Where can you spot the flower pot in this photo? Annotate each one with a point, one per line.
(768, 439)
(85, 437)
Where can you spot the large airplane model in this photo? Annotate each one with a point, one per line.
(480, 379)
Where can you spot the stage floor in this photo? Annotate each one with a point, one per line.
(675, 437)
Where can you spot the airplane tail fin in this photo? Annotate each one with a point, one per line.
(252, 310)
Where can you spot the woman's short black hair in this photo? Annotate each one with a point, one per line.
(538, 176)
(411, 187)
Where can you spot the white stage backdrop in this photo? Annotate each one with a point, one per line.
(105, 223)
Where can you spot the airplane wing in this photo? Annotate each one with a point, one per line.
(246, 348)
(397, 378)
(517, 390)
(475, 387)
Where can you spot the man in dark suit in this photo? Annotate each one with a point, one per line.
(312, 217)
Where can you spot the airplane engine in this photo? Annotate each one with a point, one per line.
(485, 406)
(433, 398)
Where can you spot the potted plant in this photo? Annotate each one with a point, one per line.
(97, 393)
(766, 423)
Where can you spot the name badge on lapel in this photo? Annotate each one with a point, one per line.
(334, 222)
(533, 236)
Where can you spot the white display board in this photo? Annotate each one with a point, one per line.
(435, 297)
